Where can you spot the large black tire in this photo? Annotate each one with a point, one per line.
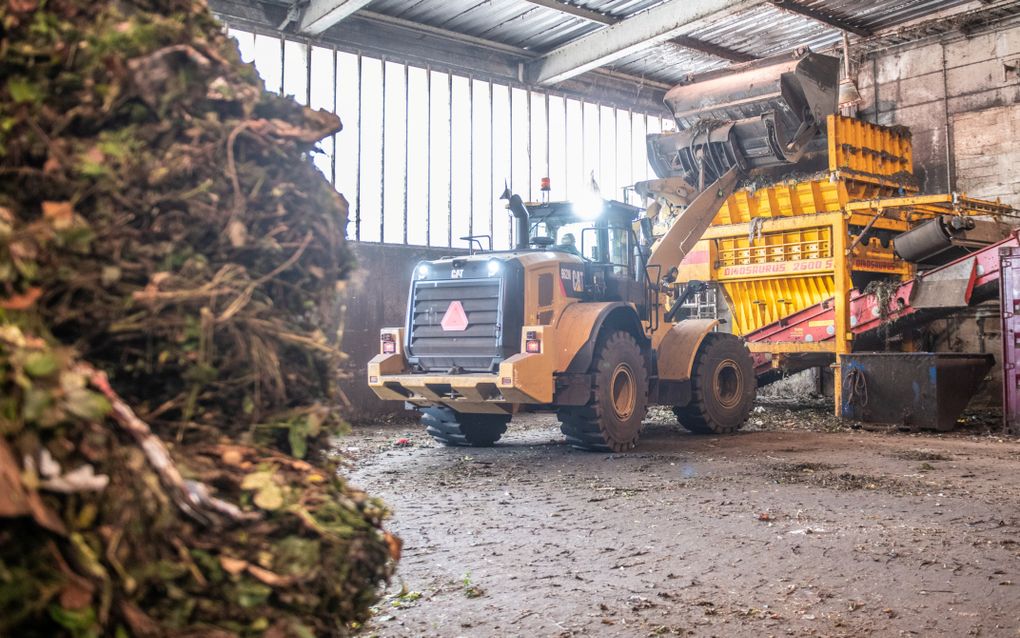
(723, 387)
(458, 428)
(611, 421)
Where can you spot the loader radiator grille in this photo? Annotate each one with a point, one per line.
(476, 348)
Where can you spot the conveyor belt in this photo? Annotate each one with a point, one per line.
(937, 293)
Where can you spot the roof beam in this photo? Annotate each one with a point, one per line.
(574, 10)
(726, 53)
(684, 41)
(642, 31)
(823, 17)
(320, 15)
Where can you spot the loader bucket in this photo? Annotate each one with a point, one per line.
(769, 113)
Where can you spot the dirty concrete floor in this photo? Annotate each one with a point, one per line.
(798, 527)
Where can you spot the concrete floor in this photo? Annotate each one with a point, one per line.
(802, 527)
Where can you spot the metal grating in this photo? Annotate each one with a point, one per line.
(475, 348)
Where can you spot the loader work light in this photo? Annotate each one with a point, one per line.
(589, 206)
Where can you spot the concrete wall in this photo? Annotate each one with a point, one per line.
(377, 298)
(962, 103)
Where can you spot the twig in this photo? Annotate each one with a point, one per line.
(242, 300)
(191, 497)
(232, 168)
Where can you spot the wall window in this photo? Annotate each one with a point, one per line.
(424, 155)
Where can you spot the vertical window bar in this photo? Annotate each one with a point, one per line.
(616, 154)
(566, 156)
(357, 170)
(548, 147)
(531, 157)
(428, 155)
(449, 179)
(584, 144)
(308, 75)
(631, 175)
(510, 148)
(407, 137)
(332, 163)
(382, 159)
(492, 168)
(598, 136)
(471, 157)
(283, 62)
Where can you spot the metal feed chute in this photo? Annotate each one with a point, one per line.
(768, 114)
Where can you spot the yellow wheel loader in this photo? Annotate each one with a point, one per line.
(580, 318)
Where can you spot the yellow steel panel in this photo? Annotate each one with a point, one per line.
(785, 199)
(758, 302)
(870, 152)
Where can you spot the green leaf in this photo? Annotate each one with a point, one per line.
(297, 436)
(81, 623)
(37, 401)
(24, 90)
(87, 405)
(313, 424)
(40, 364)
(251, 594)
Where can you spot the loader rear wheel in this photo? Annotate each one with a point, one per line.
(459, 428)
(611, 421)
(722, 387)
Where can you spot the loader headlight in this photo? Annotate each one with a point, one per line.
(494, 267)
(423, 271)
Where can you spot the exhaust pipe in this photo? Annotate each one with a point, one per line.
(523, 217)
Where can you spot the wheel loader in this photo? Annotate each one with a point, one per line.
(580, 318)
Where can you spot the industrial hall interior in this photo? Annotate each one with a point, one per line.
(493, 318)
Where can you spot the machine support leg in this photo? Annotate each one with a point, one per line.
(840, 242)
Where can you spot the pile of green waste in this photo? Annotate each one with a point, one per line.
(171, 271)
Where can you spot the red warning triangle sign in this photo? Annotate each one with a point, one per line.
(455, 318)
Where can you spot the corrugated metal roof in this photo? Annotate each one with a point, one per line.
(761, 30)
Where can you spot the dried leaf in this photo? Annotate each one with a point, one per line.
(238, 233)
(268, 577)
(23, 301)
(269, 498)
(59, 214)
(233, 566)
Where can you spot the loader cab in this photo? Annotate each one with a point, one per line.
(600, 232)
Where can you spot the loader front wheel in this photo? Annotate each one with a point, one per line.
(611, 421)
(723, 387)
(459, 428)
